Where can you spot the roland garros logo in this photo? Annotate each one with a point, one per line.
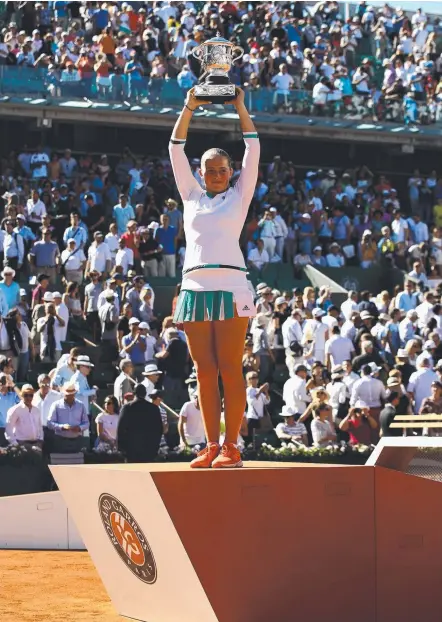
(127, 538)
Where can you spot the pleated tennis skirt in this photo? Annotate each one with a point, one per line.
(203, 306)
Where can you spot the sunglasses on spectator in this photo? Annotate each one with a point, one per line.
(28, 395)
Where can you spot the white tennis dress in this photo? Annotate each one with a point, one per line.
(213, 225)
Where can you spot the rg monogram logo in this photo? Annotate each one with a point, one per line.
(127, 538)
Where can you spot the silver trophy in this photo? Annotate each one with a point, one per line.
(216, 56)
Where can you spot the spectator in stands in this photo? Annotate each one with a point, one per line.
(80, 379)
(190, 424)
(134, 346)
(13, 248)
(291, 430)
(107, 423)
(258, 258)
(10, 290)
(257, 400)
(68, 420)
(387, 415)
(43, 400)
(23, 422)
(359, 424)
(124, 383)
(140, 428)
(49, 326)
(72, 262)
(166, 236)
(322, 430)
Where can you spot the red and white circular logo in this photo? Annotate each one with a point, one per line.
(127, 538)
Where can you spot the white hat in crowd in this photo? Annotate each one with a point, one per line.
(318, 312)
(48, 297)
(151, 369)
(83, 361)
(288, 411)
(9, 271)
(402, 353)
(70, 388)
(134, 320)
(374, 368)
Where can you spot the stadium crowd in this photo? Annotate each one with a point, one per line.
(380, 62)
(81, 240)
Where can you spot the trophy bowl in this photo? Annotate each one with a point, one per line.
(216, 56)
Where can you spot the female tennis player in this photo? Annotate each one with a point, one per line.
(215, 303)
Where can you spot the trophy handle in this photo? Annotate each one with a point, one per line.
(197, 52)
(240, 50)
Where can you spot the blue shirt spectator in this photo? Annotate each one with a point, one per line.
(78, 232)
(26, 232)
(11, 292)
(407, 300)
(305, 241)
(134, 70)
(137, 352)
(45, 253)
(84, 207)
(8, 399)
(63, 413)
(341, 223)
(166, 237)
(123, 212)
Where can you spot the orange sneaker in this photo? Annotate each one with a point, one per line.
(229, 457)
(205, 457)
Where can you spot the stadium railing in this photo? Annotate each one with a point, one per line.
(28, 83)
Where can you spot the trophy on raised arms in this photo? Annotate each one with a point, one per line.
(216, 55)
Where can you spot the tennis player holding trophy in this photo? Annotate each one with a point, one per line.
(215, 303)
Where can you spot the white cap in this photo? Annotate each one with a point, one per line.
(318, 312)
(134, 320)
(109, 293)
(280, 300)
(402, 353)
(57, 295)
(317, 248)
(23, 292)
(144, 326)
(306, 216)
(48, 297)
(429, 345)
(423, 359)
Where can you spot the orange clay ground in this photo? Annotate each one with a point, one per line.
(50, 586)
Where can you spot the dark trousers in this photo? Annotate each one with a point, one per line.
(252, 425)
(3, 441)
(63, 445)
(148, 455)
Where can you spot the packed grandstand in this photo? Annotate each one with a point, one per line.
(377, 62)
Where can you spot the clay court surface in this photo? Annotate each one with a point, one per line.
(52, 586)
